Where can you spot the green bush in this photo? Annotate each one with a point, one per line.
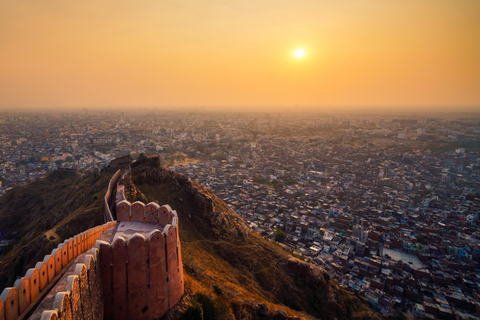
(297, 306)
(202, 308)
(182, 180)
(290, 182)
(217, 290)
(279, 235)
(209, 306)
(300, 257)
(194, 312)
(260, 180)
(66, 234)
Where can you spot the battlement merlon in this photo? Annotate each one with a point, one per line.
(149, 213)
(144, 255)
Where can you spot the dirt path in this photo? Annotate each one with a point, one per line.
(50, 233)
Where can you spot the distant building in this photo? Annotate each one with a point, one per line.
(360, 233)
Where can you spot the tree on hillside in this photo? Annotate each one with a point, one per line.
(279, 235)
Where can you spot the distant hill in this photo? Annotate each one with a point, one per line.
(37, 216)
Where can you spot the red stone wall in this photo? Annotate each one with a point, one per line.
(137, 212)
(150, 213)
(81, 298)
(142, 277)
(15, 300)
(112, 185)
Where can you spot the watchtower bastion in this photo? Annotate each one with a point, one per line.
(142, 271)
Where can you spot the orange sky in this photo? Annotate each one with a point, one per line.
(117, 53)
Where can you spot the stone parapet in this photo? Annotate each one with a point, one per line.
(142, 275)
(134, 271)
(27, 290)
(149, 213)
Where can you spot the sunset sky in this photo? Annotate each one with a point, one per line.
(240, 53)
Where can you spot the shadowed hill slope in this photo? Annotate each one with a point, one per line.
(241, 274)
(230, 271)
(37, 216)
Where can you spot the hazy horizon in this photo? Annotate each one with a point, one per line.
(405, 56)
(392, 111)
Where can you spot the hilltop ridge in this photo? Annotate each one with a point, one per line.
(230, 272)
(36, 217)
(244, 275)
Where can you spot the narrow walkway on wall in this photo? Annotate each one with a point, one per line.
(85, 270)
(40, 282)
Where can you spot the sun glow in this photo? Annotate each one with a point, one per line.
(299, 53)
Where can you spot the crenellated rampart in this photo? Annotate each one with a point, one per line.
(143, 274)
(80, 293)
(148, 213)
(133, 271)
(27, 291)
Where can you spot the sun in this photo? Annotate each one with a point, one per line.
(299, 53)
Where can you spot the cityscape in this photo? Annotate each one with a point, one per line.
(247, 160)
(388, 204)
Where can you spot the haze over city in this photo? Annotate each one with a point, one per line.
(261, 55)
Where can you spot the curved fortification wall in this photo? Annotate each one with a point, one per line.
(30, 289)
(109, 200)
(148, 213)
(133, 271)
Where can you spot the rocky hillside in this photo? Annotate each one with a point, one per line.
(231, 272)
(35, 217)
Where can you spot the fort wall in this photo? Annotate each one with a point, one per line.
(120, 194)
(80, 292)
(109, 199)
(28, 290)
(142, 276)
(148, 213)
(138, 276)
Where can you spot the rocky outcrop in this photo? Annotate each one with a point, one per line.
(217, 240)
(316, 277)
(222, 220)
